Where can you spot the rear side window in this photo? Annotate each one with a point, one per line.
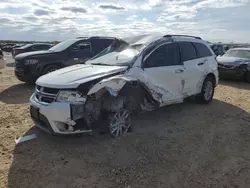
(188, 51)
(202, 50)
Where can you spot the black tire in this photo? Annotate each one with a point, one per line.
(50, 68)
(247, 76)
(201, 97)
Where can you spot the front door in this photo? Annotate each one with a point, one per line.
(80, 53)
(164, 73)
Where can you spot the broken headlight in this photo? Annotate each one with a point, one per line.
(70, 96)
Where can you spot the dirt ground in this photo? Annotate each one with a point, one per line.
(185, 145)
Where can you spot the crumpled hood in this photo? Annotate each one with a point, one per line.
(33, 54)
(232, 60)
(73, 76)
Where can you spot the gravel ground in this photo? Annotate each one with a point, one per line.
(184, 145)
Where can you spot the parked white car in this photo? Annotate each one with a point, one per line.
(144, 74)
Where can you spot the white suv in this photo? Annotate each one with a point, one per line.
(142, 74)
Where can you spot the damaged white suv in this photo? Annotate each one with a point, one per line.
(142, 73)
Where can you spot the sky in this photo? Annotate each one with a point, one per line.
(49, 20)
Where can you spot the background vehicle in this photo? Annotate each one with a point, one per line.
(235, 63)
(16, 46)
(2, 61)
(8, 47)
(30, 48)
(144, 74)
(29, 66)
(218, 49)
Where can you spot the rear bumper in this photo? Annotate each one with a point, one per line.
(55, 118)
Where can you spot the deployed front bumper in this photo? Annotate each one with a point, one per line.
(54, 118)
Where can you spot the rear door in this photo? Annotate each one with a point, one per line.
(194, 68)
(164, 72)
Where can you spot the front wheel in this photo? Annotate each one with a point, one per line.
(50, 68)
(207, 91)
(119, 122)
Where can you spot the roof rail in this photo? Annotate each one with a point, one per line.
(96, 37)
(182, 36)
(102, 37)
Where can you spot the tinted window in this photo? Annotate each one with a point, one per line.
(46, 47)
(188, 51)
(38, 47)
(202, 50)
(100, 44)
(165, 55)
(173, 54)
(82, 47)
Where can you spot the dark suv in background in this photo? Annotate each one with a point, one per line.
(32, 65)
(30, 48)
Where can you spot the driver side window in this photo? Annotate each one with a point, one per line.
(82, 47)
(165, 55)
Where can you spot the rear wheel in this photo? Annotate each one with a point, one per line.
(50, 68)
(207, 91)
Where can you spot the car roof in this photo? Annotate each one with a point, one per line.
(40, 44)
(149, 38)
(240, 49)
(142, 39)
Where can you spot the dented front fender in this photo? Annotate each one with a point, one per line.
(113, 84)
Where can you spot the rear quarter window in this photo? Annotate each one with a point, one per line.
(202, 50)
(188, 51)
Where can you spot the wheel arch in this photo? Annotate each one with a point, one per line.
(118, 87)
(211, 75)
(59, 64)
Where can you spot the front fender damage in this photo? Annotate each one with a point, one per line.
(113, 85)
(111, 95)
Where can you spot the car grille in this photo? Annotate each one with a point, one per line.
(19, 65)
(45, 94)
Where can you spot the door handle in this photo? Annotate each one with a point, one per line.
(76, 59)
(179, 71)
(202, 62)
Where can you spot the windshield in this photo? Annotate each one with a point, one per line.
(62, 45)
(118, 56)
(238, 53)
(25, 46)
(123, 52)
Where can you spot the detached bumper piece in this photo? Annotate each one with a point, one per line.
(56, 127)
(40, 120)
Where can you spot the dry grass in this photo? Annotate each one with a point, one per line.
(186, 145)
